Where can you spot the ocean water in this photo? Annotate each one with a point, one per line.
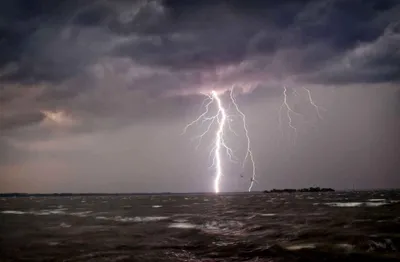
(338, 226)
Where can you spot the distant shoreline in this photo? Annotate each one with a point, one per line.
(276, 191)
(3, 195)
(302, 190)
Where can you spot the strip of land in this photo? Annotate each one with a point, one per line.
(290, 190)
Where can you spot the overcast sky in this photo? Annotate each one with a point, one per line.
(94, 95)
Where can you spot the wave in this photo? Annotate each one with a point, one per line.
(48, 212)
(369, 203)
(133, 219)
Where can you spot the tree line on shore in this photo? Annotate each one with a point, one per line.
(290, 190)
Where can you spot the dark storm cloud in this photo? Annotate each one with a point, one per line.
(220, 33)
(37, 42)
(54, 43)
(155, 48)
(372, 62)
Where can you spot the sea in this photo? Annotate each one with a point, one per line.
(332, 226)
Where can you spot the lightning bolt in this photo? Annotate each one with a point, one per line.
(223, 120)
(290, 113)
(312, 102)
(219, 141)
(249, 153)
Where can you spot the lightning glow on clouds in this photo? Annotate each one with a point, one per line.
(59, 117)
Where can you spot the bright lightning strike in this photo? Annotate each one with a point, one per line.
(219, 140)
(223, 120)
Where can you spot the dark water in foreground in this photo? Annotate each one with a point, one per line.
(261, 227)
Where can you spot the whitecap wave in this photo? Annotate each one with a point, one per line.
(369, 203)
(377, 200)
(15, 212)
(182, 225)
(133, 219)
(64, 225)
(44, 212)
(344, 204)
(47, 212)
(230, 227)
(345, 246)
(81, 214)
(267, 215)
(301, 246)
(376, 204)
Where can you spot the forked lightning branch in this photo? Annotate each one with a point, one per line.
(222, 119)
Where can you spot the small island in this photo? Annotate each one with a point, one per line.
(302, 190)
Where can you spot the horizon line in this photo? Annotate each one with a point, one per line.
(178, 193)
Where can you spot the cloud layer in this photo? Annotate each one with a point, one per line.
(79, 54)
(107, 65)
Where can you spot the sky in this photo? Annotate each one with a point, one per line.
(94, 95)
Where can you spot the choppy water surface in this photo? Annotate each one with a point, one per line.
(363, 226)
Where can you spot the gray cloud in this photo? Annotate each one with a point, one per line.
(92, 59)
(372, 62)
(163, 34)
(161, 46)
(12, 122)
